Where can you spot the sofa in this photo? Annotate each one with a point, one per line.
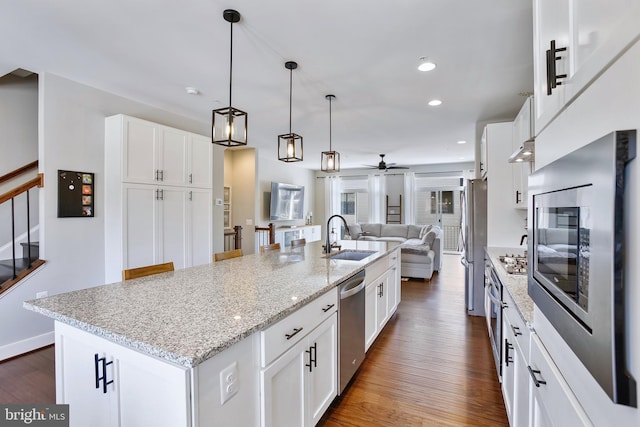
(421, 245)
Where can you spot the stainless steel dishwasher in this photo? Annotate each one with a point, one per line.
(351, 327)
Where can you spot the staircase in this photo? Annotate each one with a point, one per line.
(15, 204)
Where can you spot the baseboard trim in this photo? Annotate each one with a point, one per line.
(20, 347)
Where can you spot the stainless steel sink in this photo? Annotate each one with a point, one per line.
(351, 255)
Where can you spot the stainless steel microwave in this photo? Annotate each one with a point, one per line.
(576, 255)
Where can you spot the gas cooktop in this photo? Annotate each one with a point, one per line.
(514, 264)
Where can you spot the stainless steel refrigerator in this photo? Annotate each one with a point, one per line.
(475, 241)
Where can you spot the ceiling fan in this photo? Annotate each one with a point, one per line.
(383, 166)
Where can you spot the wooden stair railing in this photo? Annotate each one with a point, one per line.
(32, 263)
(9, 176)
(266, 235)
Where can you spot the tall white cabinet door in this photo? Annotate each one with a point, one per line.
(382, 313)
(200, 162)
(199, 208)
(283, 386)
(140, 226)
(76, 383)
(173, 224)
(140, 151)
(323, 376)
(151, 392)
(173, 156)
(370, 308)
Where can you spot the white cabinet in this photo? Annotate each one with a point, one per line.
(158, 196)
(594, 33)
(484, 147)
(522, 141)
(106, 384)
(298, 385)
(382, 295)
(284, 235)
(156, 154)
(516, 382)
(553, 403)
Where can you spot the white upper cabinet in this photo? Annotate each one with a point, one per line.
(594, 34)
(200, 161)
(172, 159)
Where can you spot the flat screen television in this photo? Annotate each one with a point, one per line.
(287, 202)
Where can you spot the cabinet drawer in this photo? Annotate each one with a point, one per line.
(394, 258)
(375, 270)
(277, 338)
(552, 392)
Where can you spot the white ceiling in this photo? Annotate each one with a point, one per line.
(363, 51)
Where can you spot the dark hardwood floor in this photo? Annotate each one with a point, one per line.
(29, 378)
(430, 366)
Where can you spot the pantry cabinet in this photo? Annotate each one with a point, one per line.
(158, 196)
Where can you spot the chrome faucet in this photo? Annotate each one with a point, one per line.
(327, 246)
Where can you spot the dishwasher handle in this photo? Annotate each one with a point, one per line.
(352, 286)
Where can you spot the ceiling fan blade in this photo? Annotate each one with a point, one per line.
(397, 167)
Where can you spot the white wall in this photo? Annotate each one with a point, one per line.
(611, 103)
(71, 136)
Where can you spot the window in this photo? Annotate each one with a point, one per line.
(446, 202)
(348, 203)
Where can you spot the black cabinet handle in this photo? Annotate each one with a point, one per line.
(101, 372)
(518, 197)
(507, 346)
(313, 357)
(295, 331)
(516, 330)
(533, 373)
(552, 57)
(157, 175)
(381, 290)
(161, 175)
(329, 307)
(190, 178)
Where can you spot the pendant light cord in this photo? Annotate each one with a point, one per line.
(330, 99)
(230, 65)
(290, 95)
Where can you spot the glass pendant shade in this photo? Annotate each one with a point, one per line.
(229, 124)
(290, 147)
(330, 161)
(229, 127)
(290, 144)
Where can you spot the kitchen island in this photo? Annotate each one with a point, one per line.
(191, 325)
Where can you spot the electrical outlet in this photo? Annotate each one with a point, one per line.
(228, 382)
(249, 222)
(42, 294)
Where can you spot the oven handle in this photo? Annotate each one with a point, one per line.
(495, 300)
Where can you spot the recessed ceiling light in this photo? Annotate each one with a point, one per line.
(462, 142)
(435, 102)
(526, 153)
(519, 160)
(426, 64)
(192, 90)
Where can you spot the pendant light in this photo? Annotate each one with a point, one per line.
(330, 161)
(229, 125)
(290, 144)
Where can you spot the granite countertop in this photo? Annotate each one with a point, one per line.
(516, 284)
(188, 316)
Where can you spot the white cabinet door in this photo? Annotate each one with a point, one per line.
(508, 368)
(200, 228)
(484, 147)
(172, 159)
(370, 318)
(382, 312)
(283, 389)
(200, 162)
(140, 151)
(172, 226)
(323, 376)
(76, 383)
(140, 225)
(394, 281)
(151, 392)
(551, 22)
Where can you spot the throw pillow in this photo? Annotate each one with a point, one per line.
(429, 238)
(424, 231)
(355, 231)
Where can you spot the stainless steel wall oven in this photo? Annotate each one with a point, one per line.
(576, 253)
